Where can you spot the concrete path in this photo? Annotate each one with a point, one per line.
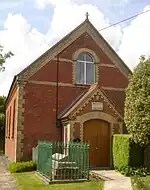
(113, 180)
(7, 182)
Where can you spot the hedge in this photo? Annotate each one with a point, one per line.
(17, 167)
(127, 156)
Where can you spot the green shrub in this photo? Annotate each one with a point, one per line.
(132, 171)
(140, 183)
(121, 151)
(128, 157)
(22, 167)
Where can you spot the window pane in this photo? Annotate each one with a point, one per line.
(80, 72)
(81, 57)
(90, 73)
(89, 58)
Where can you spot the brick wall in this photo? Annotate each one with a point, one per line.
(11, 125)
(39, 94)
(40, 107)
(108, 75)
(40, 112)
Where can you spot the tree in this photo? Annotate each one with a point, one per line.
(3, 57)
(2, 111)
(137, 103)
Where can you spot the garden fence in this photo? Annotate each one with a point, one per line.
(59, 161)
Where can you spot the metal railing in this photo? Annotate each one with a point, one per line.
(59, 161)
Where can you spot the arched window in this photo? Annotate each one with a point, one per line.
(85, 69)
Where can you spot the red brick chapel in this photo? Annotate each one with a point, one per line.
(91, 92)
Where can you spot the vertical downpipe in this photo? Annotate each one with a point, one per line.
(57, 84)
(57, 97)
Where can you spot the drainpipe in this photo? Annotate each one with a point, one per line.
(57, 85)
(58, 124)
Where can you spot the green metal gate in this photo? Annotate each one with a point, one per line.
(59, 161)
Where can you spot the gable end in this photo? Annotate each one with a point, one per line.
(86, 26)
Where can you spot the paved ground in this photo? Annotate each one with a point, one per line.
(6, 180)
(114, 180)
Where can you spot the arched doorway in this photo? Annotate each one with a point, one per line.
(97, 134)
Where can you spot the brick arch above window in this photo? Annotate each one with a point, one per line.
(82, 50)
(95, 58)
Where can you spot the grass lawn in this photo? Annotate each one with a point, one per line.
(29, 181)
(139, 183)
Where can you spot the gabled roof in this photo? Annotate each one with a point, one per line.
(70, 106)
(77, 102)
(82, 99)
(85, 26)
(55, 49)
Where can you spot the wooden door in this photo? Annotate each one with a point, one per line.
(96, 133)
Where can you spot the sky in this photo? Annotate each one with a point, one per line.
(29, 27)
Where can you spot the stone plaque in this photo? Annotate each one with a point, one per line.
(97, 106)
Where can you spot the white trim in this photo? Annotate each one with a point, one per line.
(65, 142)
(65, 134)
(85, 68)
(85, 61)
(68, 132)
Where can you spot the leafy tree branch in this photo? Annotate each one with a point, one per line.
(137, 104)
(4, 57)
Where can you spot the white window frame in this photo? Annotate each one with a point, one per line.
(85, 67)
